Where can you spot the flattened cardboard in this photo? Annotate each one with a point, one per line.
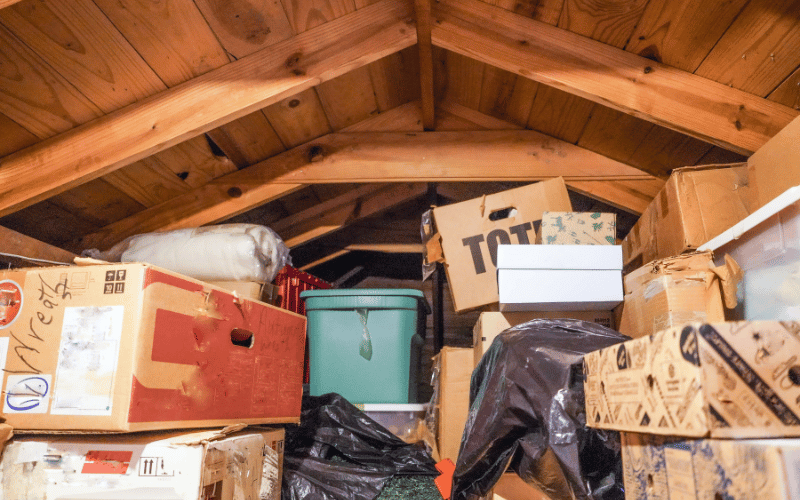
(695, 205)
(490, 324)
(454, 378)
(155, 466)
(130, 347)
(559, 277)
(775, 167)
(470, 237)
(511, 487)
(659, 468)
(671, 292)
(722, 380)
(577, 228)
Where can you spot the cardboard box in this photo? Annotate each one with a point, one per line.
(577, 228)
(659, 468)
(490, 324)
(454, 377)
(131, 347)
(470, 232)
(695, 205)
(157, 466)
(677, 290)
(722, 380)
(775, 167)
(511, 487)
(559, 277)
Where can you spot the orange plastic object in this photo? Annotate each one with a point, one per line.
(445, 480)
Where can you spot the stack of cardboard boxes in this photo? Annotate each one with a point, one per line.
(493, 248)
(708, 408)
(108, 367)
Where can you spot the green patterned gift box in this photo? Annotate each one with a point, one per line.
(578, 228)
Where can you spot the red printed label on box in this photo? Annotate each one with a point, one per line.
(107, 462)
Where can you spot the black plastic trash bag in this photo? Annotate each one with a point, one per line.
(527, 412)
(339, 453)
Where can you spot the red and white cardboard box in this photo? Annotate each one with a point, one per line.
(131, 347)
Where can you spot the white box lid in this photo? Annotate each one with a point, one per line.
(589, 257)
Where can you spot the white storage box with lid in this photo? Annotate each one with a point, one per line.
(402, 420)
(766, 245)
(559, 277)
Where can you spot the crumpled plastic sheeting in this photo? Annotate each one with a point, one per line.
(339, 453)
(527, 412)
(225, 252)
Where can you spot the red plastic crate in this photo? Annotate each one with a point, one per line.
(290, 283)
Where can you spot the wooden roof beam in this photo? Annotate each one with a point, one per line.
(507, 155)
(19, 245)
(203, 103)
(332, 215)
(425, 49)
(675, 99)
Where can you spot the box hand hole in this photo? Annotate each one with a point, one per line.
(503, 213)
(242, 337)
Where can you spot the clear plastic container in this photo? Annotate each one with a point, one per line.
(406, 421)
(766, 245)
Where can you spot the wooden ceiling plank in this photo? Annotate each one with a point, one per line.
(249, 26)
(637, 195)
(681, 33)
(97, 201)
(19, 244)
(788, 93)
(203, 103)
(348, 99)
(307, 14)
(546, 11)
(15, 136)
(250, 139)
(506, 95)
(147, 182)
(759, 50)
(425, 48)
(330, 216)
(35, 96)
(299, 118)
(394, 79)
(559, 114)
(159, 32)
(403, 118)
(77, 40)
(193, 161)
(676, 99)
(610, 22)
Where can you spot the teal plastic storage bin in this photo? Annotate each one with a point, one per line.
(364, 343)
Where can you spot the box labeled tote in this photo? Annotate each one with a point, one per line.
(559, 277)
(472, 230)
(720, 380)
(131, 347)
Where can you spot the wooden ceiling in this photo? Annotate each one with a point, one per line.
(120, 117)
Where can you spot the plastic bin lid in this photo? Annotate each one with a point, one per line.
(371, 292)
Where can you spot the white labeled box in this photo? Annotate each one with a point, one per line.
(559, 277)
(159, 466)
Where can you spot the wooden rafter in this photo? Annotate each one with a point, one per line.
(425, 49)
(203, 103)
(343, 210)
(18, 244)
(7, 3)
(510, 155)
(675, 99)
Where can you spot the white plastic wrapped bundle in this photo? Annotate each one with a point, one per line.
(227, 252)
